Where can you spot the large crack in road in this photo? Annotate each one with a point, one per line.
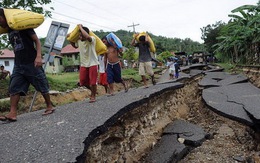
(135, 135)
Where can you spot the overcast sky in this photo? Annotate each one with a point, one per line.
(169, 18)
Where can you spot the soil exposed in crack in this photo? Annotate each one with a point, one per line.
(231, 141)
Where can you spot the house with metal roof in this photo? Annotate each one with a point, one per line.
(7, 59)
(59, 62)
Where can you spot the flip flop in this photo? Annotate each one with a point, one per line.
(47, 112)
(5, 119)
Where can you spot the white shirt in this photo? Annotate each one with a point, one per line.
(101, 63)
(171, 65)
(88, 54)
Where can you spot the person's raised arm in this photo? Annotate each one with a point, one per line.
(146, 37)
(84, 33)
(72, 43)
(133, 40)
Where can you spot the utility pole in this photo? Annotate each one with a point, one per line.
(133, 26)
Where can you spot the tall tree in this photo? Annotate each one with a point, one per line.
(210, 34)
(30, 5)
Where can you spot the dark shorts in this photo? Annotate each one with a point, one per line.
(176, 74)
(114, 73)
(24, 75)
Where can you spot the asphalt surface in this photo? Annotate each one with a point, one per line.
(64, 135)
(169, 149)
(232, 96)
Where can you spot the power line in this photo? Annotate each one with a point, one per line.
(93, 14)
(117, 15)
(109, 11)
(80, 9)
(80, 20)
(86, 11)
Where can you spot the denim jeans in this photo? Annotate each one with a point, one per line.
(24, 75)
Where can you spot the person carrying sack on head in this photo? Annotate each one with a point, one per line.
(145, 58)
(27, 68)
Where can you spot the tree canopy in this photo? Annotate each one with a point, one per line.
(238, 41)
(32, 5)
(161, 43)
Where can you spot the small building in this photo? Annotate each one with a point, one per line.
(73, 53)
(57, 61)
(7, 59)
(54, 64)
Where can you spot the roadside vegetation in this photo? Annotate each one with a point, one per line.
(68, 81)
(238, 41)
(227, 66)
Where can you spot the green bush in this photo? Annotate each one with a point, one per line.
(4, 105)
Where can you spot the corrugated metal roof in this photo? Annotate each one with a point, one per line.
(6, 53)
(69, 49)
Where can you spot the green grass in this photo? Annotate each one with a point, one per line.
(131, 74)
(64, 81)
(4, 88)
(134, 75)
(227, 66)
(67, 81)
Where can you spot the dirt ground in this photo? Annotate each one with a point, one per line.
(231, 141)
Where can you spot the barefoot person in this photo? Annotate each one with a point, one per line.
(113, 67)
(88, 72)
(27, 68)
(102, 73)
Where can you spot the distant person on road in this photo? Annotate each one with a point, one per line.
(171, 68)
(27, 68)
(177, 68)
(88, 72)
(4, 73)
(145, 58)
(190, 59)
(113, 68)
(102, 73)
